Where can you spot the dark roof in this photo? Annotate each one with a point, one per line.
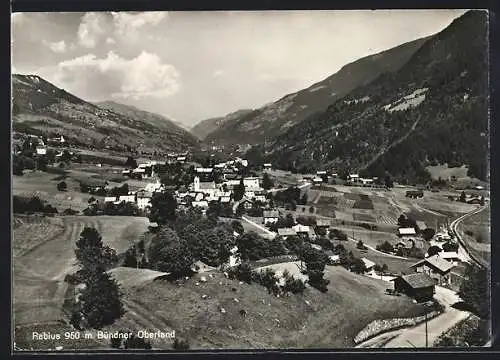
(418, 280)
(436, 262)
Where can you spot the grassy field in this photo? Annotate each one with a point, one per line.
(42, 261)
(44, 185)
(325, 320)
(476, 232)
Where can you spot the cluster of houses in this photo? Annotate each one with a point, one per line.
(202, 191)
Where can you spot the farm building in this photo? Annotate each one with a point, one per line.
(200, 204)
(323, 223)
(419, 286)
(474, 201)
(94, 184)
(366, 181)
(268, 166)
(415, 194)
(333, 259)
(286, 232)
(127, 198)
(252, 183)
(41, 150)
(270, 216)
(225, 199)
(369, 265)
(407, 232)
(181, 159)
(435, 267)
(450, 256)
(301, 229)
(260, 196)
(353, 177)
(110, 199)
(247, 204)
(317, 180)
(316, 247)
(421, 225)
(144, 199)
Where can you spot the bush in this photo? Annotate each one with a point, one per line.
(317, 281)
(70, 212)
(268, 279)
(293, 285)
(180, 344)
(360, 245)
(385, 247)
(242, 272)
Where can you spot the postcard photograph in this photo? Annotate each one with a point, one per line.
(250, 180)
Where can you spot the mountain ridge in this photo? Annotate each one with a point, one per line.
(40, 107)
(263, 123)
(437, 98)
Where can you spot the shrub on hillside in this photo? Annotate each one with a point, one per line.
(180, 344)
(385, 247)
(242, 272)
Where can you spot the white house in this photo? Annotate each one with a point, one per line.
(366, 181)
(301, 229)
(41, 150)
(109, 199)
(208, 188)
(268, 166)
(234, 258)
(204, 170)
(317, 180)
(260, 196)
(407, 232)
(354, 177)
(225, 199)
(181, 159)
(127, 198)
(143, 200)
(153, 187)
(251, 182)
(271, 216)
(200, 204)
(321, 172)
(286, 232)
(316, 247)
(450, 256)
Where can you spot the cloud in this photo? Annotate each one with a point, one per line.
(218, 73)
(57, 47)
(110, 41)
(127, 24)
(116, 77)
(92, 28)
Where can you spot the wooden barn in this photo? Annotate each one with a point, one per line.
(419, 286)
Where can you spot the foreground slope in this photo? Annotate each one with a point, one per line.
(40, 107)
(264, 123)
(432, 111)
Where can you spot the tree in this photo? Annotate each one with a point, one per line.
(239, 191)
(462, 197)
(62, 186)
(433, 250)
(100, 301)
(240, 210)
(474, 290)
(131, 163)
(402, 220)
(360, 245)
(267, 183)
(91, 254)
(41, 163)
(388, 181)
(385, 247)
(180, 344)
(311, 209)
(449, 246)
(428, 234)
(482, 201)
(169, 253)
(135, 342)
(357, 266)
(252, 246)
(236, 225)
(216, 245)
(214, 210)
(163, 206)
(130, 259)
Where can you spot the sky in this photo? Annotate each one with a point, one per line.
(190, 66)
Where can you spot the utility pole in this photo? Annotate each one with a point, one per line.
(426, 337)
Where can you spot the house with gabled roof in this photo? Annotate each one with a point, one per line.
(270, 216)
(436, 267)
(419, 286)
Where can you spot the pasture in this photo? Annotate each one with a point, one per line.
(310, 320)
(42, 260)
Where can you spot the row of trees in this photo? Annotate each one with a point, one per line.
(31, 205)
